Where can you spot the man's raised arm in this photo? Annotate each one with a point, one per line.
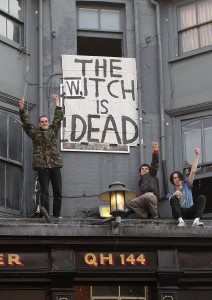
(194, 166)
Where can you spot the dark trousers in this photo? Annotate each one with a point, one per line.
(195, 211)
(53, 175)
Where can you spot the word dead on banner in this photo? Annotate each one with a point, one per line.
(100, 104)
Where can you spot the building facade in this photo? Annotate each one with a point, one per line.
(128, 72)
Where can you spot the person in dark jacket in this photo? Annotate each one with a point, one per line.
(46, 157)
(148, 197)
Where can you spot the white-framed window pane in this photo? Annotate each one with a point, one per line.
(105, 291)
(3, 135)
(207, 130)
(3, 26)
(187, 16)
(2, 183)
(204, 9)
(132, 291)
(15, 138)
(192, 140)
(15, 8)
(205, 32)
(13, 191)
(13, 31)
(88, 18)
(4, 5)
(106, 298)
(189, 40)
(110, 20)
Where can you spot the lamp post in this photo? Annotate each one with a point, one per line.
(117, 195)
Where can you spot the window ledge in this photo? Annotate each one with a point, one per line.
(191, 54)
(13, 102)
(180, 111)
(13, 44)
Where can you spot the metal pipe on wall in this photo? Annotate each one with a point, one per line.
(137, 54)
(161, 87)
(40, 58)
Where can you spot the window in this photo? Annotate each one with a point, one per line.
(99, 19)
(194, 26)
(100, 31)
(198, 134)
(119, 292)
(10, 161)
(11, 20)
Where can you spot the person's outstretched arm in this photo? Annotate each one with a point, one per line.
(56, 100)
(28, 127)
(194, 166)
(58, 116)
(155, 159)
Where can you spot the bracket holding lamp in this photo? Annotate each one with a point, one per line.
(117, 195)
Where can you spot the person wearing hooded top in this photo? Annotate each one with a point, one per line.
(146, 202)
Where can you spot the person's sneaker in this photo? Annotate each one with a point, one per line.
(156, 217)
(181, 224)
(59, 218)
(198, 223)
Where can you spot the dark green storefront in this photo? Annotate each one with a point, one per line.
(50, 261)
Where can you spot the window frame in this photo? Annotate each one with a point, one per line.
(178, 157)
(6, 161)
(175, 31)
(100, 8)
(97, 33)
(119, 296)
(203, 162)
(18, 22)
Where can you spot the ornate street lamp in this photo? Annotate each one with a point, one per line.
(117, 195)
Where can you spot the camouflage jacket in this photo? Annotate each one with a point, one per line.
(46, 154)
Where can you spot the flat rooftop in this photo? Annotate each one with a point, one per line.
(90, 227)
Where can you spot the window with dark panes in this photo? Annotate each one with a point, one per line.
(11, 20)
(10, 162)
(197, 133)
(100, 31)
(194, 25)
(119, 292)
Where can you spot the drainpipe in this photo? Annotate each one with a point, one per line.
(161, 87)
(40, 57)
(138, 63)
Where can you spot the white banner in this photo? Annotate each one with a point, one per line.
(100, 103)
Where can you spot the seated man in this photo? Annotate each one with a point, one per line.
(149, 188)
(181, 199)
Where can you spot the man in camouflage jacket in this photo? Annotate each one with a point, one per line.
(148, 197)
(46, 157)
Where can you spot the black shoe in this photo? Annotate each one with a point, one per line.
(127, 214)
(45, 214)
(100, 222)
